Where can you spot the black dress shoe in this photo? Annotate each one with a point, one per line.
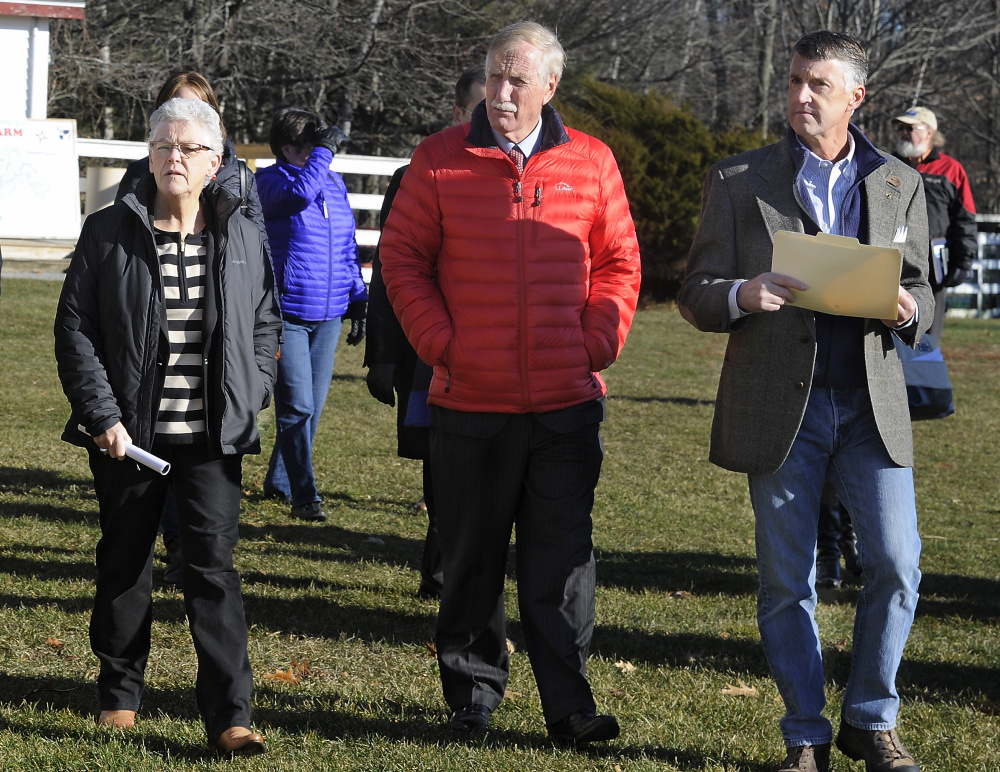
(584, 727)
(470, 718)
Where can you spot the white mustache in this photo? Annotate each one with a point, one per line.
(505, 107)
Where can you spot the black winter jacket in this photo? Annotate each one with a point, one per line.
(110, 329)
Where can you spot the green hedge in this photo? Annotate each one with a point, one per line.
(664, 153)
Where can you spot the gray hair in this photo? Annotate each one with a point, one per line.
(826, 44)
(542, 38)
(191, 111)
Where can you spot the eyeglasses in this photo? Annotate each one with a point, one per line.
(907, 128)
(186, 149)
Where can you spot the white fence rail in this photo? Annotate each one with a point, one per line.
(343, 164)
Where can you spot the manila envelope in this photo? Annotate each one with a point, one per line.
(845, 277)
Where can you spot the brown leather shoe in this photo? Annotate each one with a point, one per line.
(807, 758)
(117, 719)
(240, 741)
(881, 749)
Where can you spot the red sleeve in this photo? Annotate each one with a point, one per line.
(409, 250)
(614, 273)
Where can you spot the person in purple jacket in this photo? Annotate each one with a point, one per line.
(310, 228)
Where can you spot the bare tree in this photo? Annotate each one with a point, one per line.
(386, 68)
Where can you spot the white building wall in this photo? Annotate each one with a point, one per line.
(15, 57)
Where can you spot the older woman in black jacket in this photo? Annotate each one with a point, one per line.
(166, 333)
(234, 176)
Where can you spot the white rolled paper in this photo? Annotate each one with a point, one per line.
(155, 463)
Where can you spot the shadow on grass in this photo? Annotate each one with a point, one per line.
(951, 595)
(324, 619)
(16, 480)
(941, 596)
(26, 482)
(685, 651)
(293, 714)
(49, 512)
(419, 724)
(698, 572)
(976, 686)
(51, 563)
(406, 722)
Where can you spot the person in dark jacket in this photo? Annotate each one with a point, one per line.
(951, 212)
(165, 338)
(393, 365)
(234, 176)
(310, 227)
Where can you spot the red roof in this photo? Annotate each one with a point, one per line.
(48, 10)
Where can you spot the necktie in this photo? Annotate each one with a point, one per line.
(517, 157)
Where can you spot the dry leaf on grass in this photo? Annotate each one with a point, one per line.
(431, 647)
(680, 594)
(625, 667)
(54, 643)
(296, 671)
(740, 691)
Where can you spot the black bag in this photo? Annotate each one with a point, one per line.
(928, 387)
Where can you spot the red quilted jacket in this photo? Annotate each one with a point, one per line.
(517, 290)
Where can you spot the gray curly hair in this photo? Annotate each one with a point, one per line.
(192, 111)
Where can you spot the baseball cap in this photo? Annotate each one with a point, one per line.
(918, 115)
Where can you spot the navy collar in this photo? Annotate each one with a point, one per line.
(553, 130)
(867, 157)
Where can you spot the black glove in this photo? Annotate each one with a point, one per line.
(356, 312)
(381, 381)
(956, 276)
(332, 138)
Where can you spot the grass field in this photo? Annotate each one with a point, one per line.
(335, 604)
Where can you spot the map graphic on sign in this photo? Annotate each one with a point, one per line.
(39, 179)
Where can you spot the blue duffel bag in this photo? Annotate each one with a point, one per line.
(928, 387)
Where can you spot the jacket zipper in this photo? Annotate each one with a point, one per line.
(522, 336)
(329, 254)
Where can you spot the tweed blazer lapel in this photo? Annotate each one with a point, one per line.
(884, 198)
(774, 187)
(780, 208)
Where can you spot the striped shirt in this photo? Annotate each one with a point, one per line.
(181, 417)
(823, 186)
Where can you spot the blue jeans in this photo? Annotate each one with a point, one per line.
(838, 439)
(304, 372)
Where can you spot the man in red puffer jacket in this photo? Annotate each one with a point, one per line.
(511, 260)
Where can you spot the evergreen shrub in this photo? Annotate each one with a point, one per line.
(663, 152)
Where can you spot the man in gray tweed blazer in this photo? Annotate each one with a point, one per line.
(806, 396)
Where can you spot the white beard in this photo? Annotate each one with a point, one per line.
(907, 149)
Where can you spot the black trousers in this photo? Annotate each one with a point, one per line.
(541, 480)
(431, 569)
(131, 497)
